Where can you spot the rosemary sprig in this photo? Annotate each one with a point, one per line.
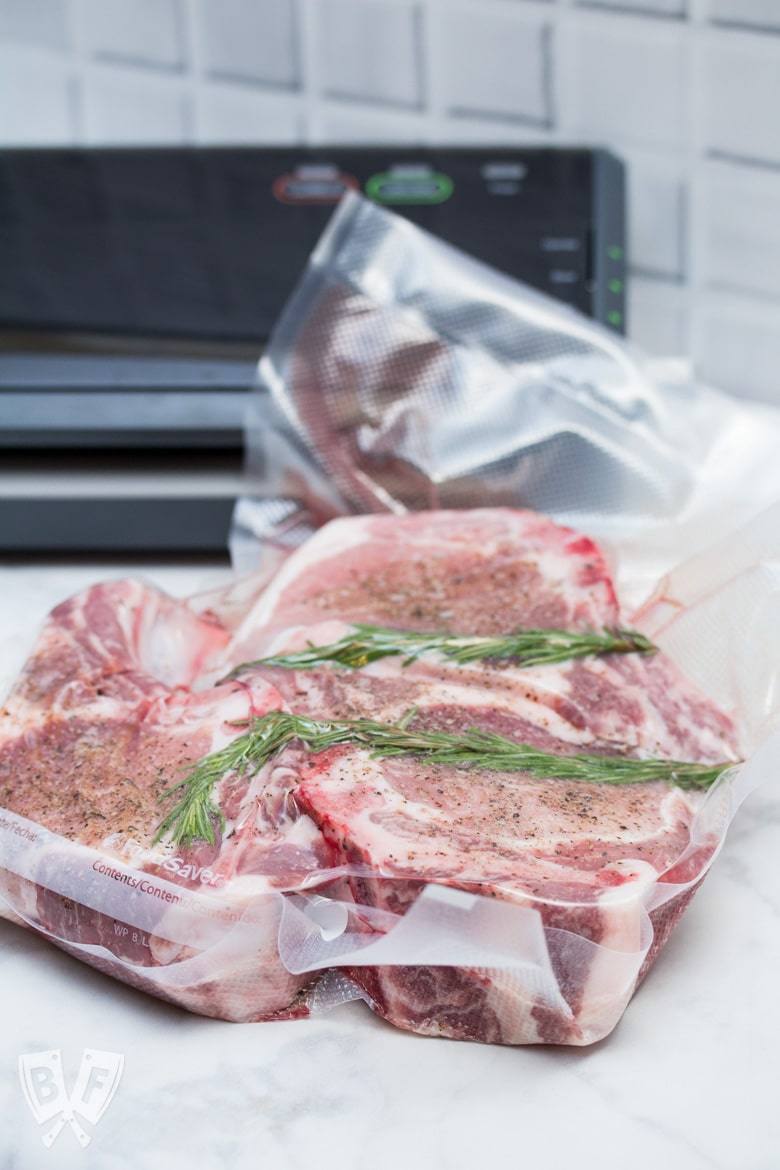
(527, 647)
(192, 819)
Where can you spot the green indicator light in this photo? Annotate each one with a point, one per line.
(400, 187)
(615, 252)
(614, 317)
(615, 286)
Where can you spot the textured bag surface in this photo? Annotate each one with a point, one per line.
(403, 374)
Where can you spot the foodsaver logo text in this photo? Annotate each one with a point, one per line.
(133, 850)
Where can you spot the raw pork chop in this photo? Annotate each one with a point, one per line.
(101, 722)
(583, 854)
(121, 692)
(451, 571)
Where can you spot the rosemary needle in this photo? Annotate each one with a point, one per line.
(535, 647)
(194, 816)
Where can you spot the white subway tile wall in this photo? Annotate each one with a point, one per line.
(38, 98)
(253, 43)
(138, 32)
(369, 51)
(742, 95)
(657, 199)
(234, 114)
(687, 92)
(760, 14)
(515, 87)
(122, 107)
(630, 82)
(744, 230)
(39, 22)
(647, 7)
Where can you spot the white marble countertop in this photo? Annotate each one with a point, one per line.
(688, 1081)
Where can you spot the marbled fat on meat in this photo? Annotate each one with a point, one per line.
(122, 691)
(481, 572)
(571, 850)
(101, 721)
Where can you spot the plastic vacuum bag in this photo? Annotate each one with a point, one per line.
(404, 376)
(287, 935)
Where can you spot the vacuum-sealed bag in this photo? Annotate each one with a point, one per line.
(486, 836)
(422, 755)
(405, 375)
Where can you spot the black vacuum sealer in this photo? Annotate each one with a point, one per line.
(138, 287)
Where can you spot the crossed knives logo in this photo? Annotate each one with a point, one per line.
(43, 1082)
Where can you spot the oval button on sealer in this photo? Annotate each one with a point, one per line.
(409, 184)
(313, 183)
